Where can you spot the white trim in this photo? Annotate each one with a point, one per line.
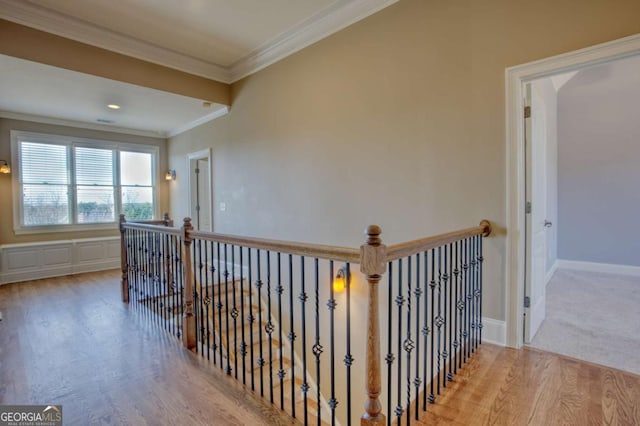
(608, 268)
(514, 78)
(195, 123)
(550, 272)
(44, 19)
(338, 15)
(31, 261)
(494, 331)
(201, 155)
(80, 124)
(321, 25)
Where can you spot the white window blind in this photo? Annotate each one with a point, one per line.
(44, 179)
(67, 183)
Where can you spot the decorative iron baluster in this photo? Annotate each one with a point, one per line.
(281, 372)
(250, 320)
(226, 309)
(303, 301)
(456, 318)
(432, 284)
(468, 297)
(269, 327)
(399, 303)
(261, 357)
(480, 261)
(439, 319)
(243, 345)
(234, 311)
(207, 299)
(348, 359)
(219, 306)
(450, 312)
(200, 299)
(317, 347)
(331, 304)
(417, 381)
(390, 358)
(408, 344)
(292, 339)
(425, 330)
(215, 288)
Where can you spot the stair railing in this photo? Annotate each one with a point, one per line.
(275, 315)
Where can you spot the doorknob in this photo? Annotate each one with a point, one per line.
(547, 223)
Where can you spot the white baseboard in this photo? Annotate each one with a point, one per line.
(599, 267)
(32, 261)
(550, 272)
(494, 331)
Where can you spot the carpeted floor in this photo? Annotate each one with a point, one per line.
(594, 317)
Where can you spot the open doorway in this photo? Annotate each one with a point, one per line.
(521, 288)
(200, 184)
(582, 176)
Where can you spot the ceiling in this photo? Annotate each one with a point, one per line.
(223, 40)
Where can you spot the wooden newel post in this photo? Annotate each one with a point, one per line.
(123, 262)
(373, 264)
(188, 320)
(166, 220)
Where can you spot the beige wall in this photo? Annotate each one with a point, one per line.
(397, 120)
(6, 203)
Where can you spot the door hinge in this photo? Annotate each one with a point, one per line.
(527, 112)
(527, 207)
(527, 302)
(197, 170)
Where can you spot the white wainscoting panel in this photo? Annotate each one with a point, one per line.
(494, 331)
(30, 261)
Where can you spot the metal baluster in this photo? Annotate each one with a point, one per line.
(333, 402)
(219, 306)
(480, 261)
(317, 347)
(269, 327)
(180, 287)
(468, 299)
(418, 293)
(234, 311)
(432, 284)
(450, 312)
(456, 319)
(243, 345)
(226, 309)
(303, 300)
(261, 357)
(165, 280)
(207, 299)
(439, 320)
(399, 303)
(390, 358)
(215, 287)
(292, 339)
(445, 302)
(425, 329)
(281, 372)
(200, 299)
(250, 320)
(348, 359)
(408, 344)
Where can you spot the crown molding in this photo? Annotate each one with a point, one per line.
(336, 17)
(81, 124)
(195, 123)
(339, 15)
(34, 16)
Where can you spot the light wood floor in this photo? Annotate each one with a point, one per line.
(503, 386)
(71, 341)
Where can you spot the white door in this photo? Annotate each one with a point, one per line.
(200, 190)
(536, 220)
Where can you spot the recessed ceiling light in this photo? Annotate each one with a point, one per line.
(113, 106)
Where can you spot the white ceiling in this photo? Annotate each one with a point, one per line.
(224, 40)
(34, 91)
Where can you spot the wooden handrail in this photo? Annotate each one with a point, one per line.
(154, 228)
(409, 248)
(343, 254)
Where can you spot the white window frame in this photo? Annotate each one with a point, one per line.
(72, 142)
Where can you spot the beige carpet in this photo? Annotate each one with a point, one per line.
(594, 317)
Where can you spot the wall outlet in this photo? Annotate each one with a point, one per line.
(223, 207)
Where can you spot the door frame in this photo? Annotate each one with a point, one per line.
(515, 78)
(201, 155)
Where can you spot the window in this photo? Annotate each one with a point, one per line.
(65, 183)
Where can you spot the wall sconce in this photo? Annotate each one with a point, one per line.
(171, 175)
(340, 282)
(4, 167)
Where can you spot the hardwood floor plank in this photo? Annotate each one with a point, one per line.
(71, 341)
